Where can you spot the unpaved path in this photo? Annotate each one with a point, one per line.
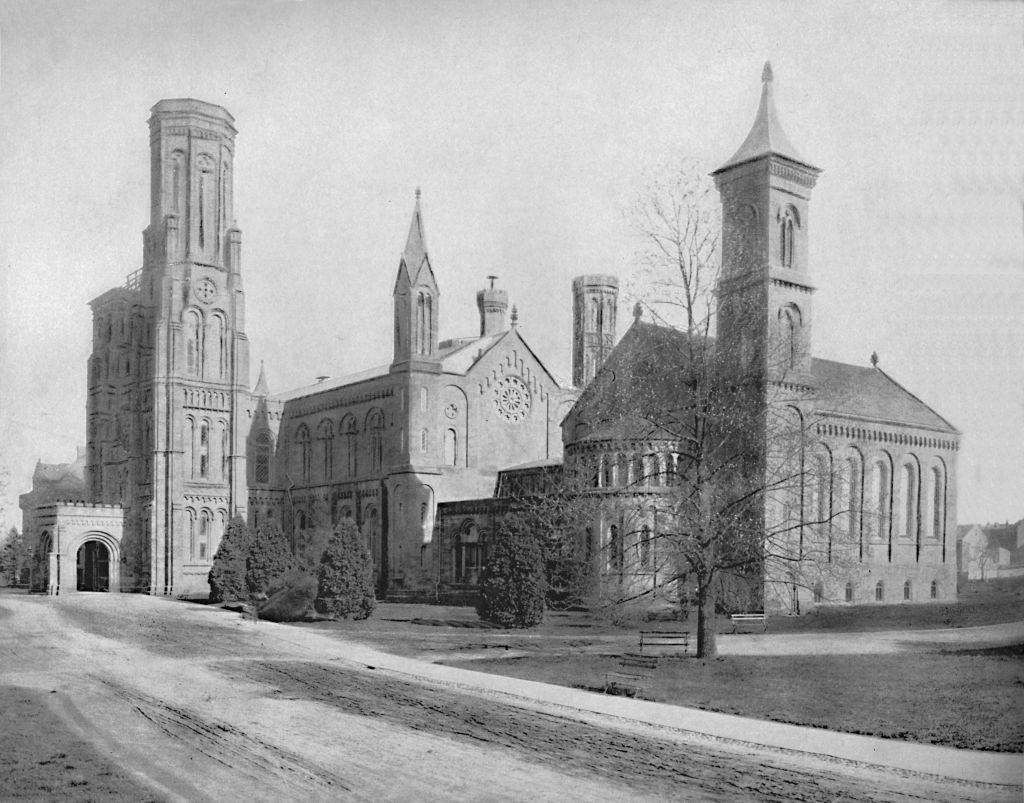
(194, 703)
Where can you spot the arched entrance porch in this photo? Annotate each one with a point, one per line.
(93, 566)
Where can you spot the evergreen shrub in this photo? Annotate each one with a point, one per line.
(345, 580)
(512, 581)
(227, 577)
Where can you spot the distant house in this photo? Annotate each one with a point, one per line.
(987, 552)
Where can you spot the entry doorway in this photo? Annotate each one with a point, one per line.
(93, 567)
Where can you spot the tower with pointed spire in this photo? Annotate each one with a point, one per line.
(416, 303)
(765, 290)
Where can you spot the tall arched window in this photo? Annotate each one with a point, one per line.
(451, 447)
(302, 452)
(204, 449)
(225, 450)
(614, 549)
(376, 426)
(934, 591)
(881, 497)
(191, 514)
(849, 591)
(203, 539)
(215, 346)
(189, 438)
(351, 447)
(428, 328)
(938, 503)
(325, 444)
(907, 591)
(261, 461)
(193, 342)
(790, 325)
(638, 470)
(645, 548)
(908, 500)
(879, 591)
(786, 231)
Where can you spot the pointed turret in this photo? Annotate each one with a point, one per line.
(415, 253)
(416, 298)
(261, 391)
(766, 136)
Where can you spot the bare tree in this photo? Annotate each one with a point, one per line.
(701, 473)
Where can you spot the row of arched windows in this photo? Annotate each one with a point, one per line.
(850, 591)
(315, 459)
(881, 499)
(207, 446)
(206, 344)
(624, 470)
(205, 528)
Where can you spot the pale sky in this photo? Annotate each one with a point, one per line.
(529, 127)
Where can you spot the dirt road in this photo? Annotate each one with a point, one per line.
(150, 699)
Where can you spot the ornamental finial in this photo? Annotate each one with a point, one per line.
(766, 73)
(638, 311)
(874, 358)
(417, 194)
(515, 316)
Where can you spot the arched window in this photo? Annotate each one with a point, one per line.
(191, 514)
(881, 497)
(451, 446)
(879, 591)
(907, 591)
(819, 592)
(938, 504)
(935, 589)
(225, 450)
(375, 424)
(302, 452)
(908, 500)
(786, 230)
(204, 449)
(638, 470)
(203, 539)
(849, 591)
(371, 526)
(193, 342)
(325, 444)
(614, 549)
(351, 447)
(423, 441)
(301, 520)
(790, 323)
(261, 462)
(645, 548)
(607, 471)
(189, 438)
(428, 339)
(215, 346)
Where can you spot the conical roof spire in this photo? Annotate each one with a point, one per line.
(261, 390)
(766, 135)
(416, 244)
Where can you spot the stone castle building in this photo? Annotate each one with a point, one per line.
(875, 499)
(424, 452)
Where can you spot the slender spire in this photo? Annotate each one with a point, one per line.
(766, 135)
(261, 390)
(416, 244)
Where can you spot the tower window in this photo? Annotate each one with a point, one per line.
(786, 230)
(204, 450)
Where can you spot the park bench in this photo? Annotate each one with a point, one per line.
(664, 638)
(633, 676)
(748, 620)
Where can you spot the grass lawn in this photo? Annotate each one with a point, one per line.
(970, 699)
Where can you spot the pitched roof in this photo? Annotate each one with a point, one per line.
(766, 135)
(333, 383)
(869, 392)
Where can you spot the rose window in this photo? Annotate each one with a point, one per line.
(513, 399)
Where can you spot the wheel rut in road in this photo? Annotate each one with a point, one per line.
(660, 768)
(230, 747)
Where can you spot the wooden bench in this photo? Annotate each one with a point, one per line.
(748, 619)
(664, 638)
(633, 676)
